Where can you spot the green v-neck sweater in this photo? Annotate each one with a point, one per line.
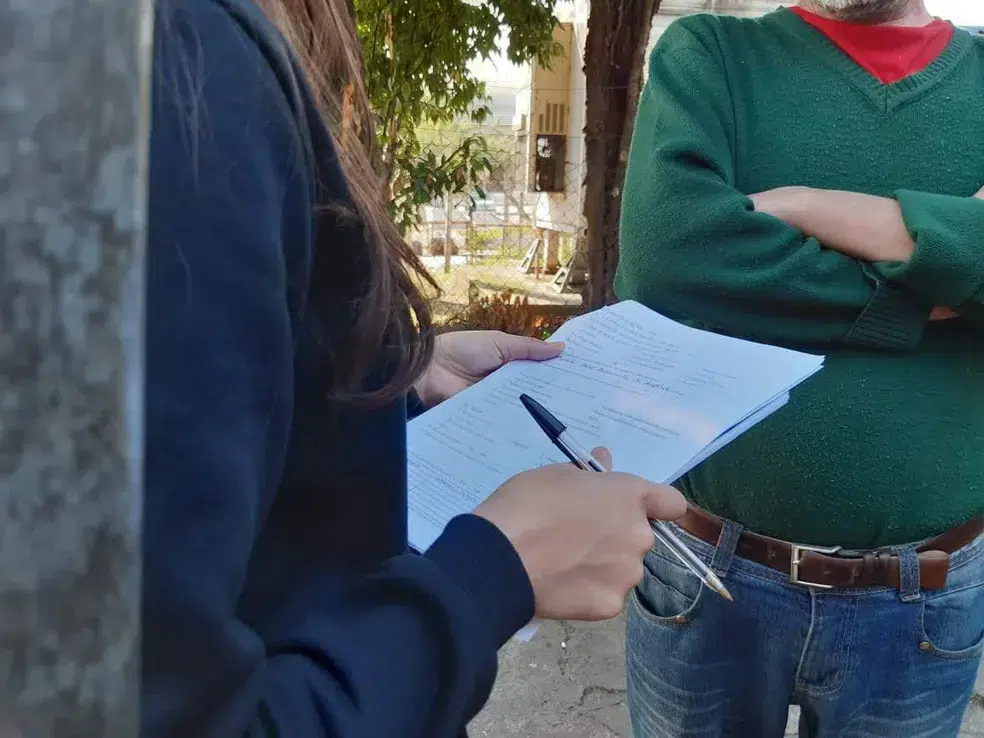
(886, 444)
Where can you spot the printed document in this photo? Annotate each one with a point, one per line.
(662, 396)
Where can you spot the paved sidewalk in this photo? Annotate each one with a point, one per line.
(569, 683)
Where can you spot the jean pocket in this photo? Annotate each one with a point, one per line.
(952, 624)
(669, 594)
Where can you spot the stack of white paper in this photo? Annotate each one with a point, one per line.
(662, 396)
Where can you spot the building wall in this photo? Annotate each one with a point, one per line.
(670, 10)
(562, 212)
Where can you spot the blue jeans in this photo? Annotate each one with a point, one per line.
(865, 663)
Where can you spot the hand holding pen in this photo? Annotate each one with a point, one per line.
(558, 434)
(581, 537)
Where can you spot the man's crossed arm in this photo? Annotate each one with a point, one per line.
(695, 247)
(932, 244)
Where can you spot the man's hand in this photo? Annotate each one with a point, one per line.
(943, 313)
(463, 358)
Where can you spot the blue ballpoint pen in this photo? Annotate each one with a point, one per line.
(557, 433)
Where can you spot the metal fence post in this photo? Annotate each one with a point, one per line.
(73, 139)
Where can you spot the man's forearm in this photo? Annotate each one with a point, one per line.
(866, 227)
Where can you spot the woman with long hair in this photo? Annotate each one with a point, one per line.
(285, 333)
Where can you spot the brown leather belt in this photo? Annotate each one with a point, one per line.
(822, 568)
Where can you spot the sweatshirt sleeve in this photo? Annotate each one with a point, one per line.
(410, 649)
(947, 265)
(415, 406)
(692, 245)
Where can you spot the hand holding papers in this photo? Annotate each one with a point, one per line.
(661, 395)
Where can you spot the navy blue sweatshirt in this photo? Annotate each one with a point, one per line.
(279, 599)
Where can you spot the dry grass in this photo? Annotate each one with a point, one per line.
(506, 312)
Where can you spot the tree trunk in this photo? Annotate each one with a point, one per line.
(73, 137)
(618, 35)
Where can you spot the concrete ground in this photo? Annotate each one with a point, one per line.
(569, 682)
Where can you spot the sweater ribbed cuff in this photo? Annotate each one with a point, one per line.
(479, 557)
(894, 319)
(947, 265)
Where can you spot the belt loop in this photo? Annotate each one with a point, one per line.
(727, 544)
(909, 590)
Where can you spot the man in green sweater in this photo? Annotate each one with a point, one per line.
(813, 179)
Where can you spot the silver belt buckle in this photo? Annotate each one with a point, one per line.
(796, 557)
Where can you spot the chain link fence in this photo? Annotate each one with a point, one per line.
(509, 257)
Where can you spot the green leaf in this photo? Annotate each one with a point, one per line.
(422, 82)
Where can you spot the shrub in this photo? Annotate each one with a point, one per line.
(502, 311)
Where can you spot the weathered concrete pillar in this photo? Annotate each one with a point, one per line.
(73, 122)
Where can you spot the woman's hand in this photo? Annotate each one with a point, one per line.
(463, 358)
(581, 535)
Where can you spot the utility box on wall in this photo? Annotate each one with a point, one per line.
(549, 118)
(550, 163)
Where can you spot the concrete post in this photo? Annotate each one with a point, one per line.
(73, 130)
(552, 256)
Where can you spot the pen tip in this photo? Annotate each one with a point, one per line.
(719, 587)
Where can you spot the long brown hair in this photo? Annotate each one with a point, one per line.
(393, 321)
